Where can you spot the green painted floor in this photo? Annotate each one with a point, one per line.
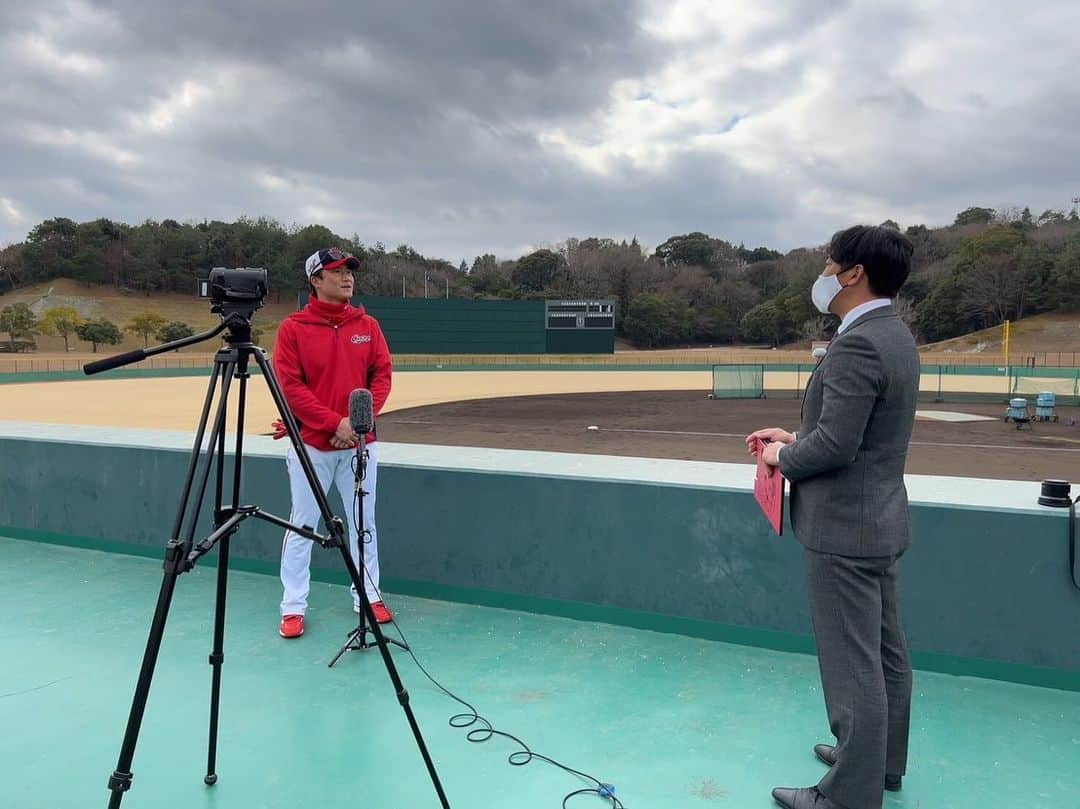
(672, 721)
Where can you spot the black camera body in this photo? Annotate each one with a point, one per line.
(236, 285)
(234, 290)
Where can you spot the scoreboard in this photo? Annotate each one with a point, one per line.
(580, 314)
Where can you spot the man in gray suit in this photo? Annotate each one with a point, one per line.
(849, 509)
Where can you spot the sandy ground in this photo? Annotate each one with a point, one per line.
(175, 403)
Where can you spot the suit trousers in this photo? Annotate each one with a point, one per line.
(865, 672)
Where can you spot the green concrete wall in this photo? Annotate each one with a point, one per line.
(985, 592)
(436, 326)
(580, 341)
(460, 326)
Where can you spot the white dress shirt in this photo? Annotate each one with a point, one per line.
(861, 310)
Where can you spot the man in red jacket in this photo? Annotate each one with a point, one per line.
(323, 353)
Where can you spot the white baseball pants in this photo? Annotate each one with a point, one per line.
(336, 467)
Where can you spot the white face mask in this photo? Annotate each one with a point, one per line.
(825, 288)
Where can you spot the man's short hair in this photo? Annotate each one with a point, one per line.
(884, 253)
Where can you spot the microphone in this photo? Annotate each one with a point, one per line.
(362, 419)
(361, 412)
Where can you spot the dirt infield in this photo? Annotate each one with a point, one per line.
(686, 425)
(663, 414)
(174, 403)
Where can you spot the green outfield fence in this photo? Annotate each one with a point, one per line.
(660, 359)
(938, 383)
(736, 376)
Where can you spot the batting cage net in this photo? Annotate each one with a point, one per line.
(738, 381)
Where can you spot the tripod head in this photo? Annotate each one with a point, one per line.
(235, 294)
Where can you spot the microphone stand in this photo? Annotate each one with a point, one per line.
(357, 639)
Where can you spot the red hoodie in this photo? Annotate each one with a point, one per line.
(323, 353)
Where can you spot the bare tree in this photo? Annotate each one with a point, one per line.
(993, 289)
(11, 265)
(905, 310)
(1009, 214)
(814, 328)
(581, 274)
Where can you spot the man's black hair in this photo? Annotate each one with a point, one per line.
(884, 253)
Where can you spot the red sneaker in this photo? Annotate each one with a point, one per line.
(382, 614)
(292, 626)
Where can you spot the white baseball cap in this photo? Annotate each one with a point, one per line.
(329, 259)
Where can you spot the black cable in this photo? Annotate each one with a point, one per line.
(519, 758)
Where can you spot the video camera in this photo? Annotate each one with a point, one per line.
(239, 289)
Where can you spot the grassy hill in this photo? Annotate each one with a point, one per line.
(1052, 332)
(108, 302)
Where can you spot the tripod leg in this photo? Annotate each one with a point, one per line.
(217, 657)
(219, 370)
(391, 670)
(217, 654)
(175, 560)
(120, 781)
(354, 574)
(293, 431)
(347, 647)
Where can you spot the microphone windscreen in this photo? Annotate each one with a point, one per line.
(361, 412)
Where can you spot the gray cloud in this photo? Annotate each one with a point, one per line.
(463, 128)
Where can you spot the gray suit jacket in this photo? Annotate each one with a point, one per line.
(846, 465)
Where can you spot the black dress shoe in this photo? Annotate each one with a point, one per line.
(827, 753)
(807, 798)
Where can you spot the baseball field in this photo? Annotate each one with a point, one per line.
(652, 414)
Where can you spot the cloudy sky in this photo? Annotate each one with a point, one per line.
(462, 127)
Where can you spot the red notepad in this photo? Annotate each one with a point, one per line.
(769, 491)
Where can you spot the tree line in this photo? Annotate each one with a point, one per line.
(694, 288)
(20, 324)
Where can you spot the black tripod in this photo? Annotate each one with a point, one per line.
(182, 552)
(357, 638)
